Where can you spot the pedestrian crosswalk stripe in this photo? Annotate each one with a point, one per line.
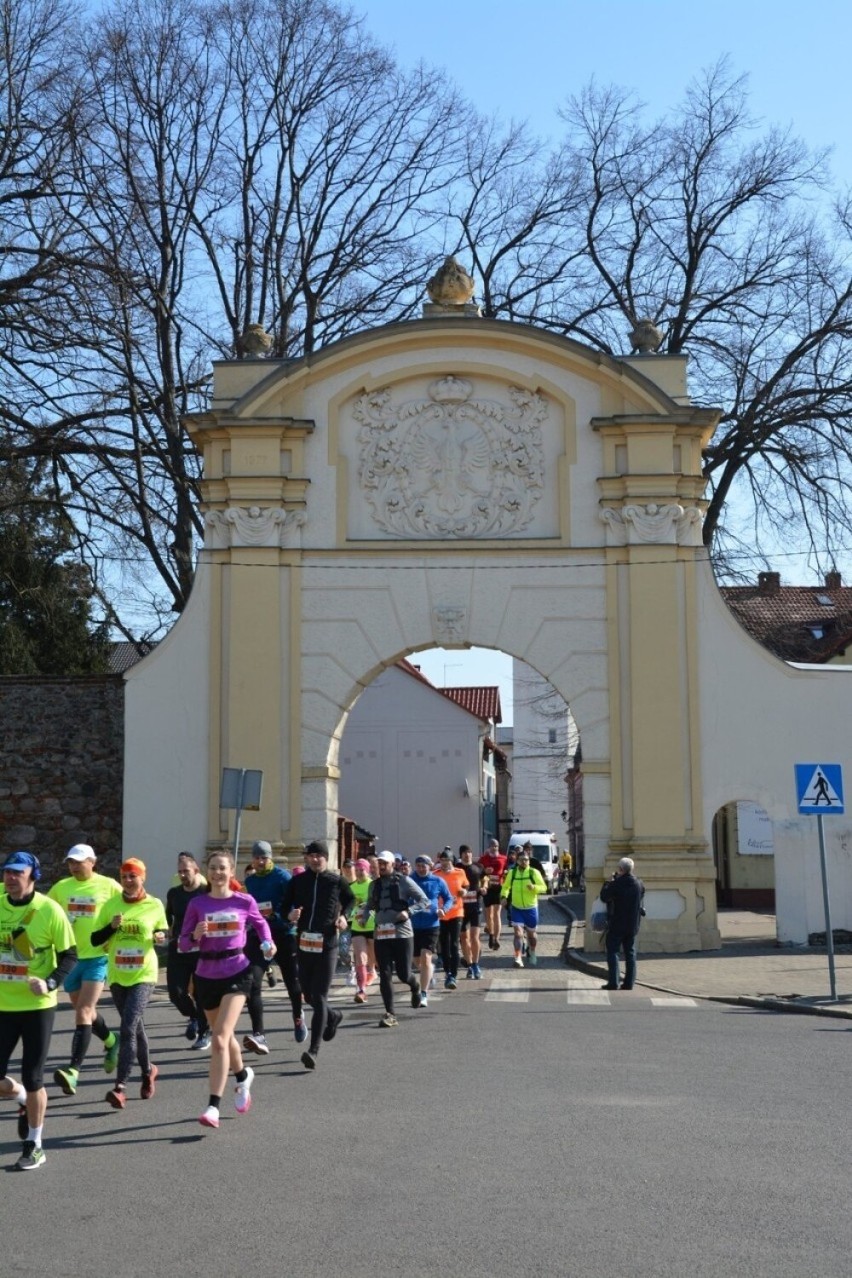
(591, 998)
(674, 1001)
(507, 992)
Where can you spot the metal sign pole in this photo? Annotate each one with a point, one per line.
(829, 938)
(240, 785)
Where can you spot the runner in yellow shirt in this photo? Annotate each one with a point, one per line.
(81, 896)
(129, 927)
(36, 952)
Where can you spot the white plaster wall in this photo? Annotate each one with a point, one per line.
(539, 792)
(759, 717)
(405, 754)
(166, 744)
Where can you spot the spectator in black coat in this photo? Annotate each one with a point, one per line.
(623, 899)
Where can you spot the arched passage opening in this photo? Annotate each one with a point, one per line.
(744, 856)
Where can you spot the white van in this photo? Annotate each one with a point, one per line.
(545, 849)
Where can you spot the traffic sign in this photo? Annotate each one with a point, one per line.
(819, 789)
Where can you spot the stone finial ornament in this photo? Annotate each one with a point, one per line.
(645, 338)
(255, 341)
(450, 285)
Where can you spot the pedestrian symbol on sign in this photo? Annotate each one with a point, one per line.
(819, 791)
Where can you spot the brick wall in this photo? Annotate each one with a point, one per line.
(61, 767)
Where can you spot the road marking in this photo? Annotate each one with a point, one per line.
(589, 998)
(673, 1001)
(507, 992)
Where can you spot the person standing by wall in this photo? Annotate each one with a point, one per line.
(622, 896)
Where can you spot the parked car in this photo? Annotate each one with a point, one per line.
(545, 850)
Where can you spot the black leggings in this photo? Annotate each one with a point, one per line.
(180, 969)
(131, 1001)
(33, 1029)
(394, 956)
(316, 972)
(450, 933)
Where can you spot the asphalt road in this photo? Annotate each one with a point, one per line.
(506, 1130)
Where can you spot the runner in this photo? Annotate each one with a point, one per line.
(521, 889)
(494, 865)
(318, 903)
(363, 934)
(36, 953)
(129, 927)
(180, 968)
(267, 883)
(217, 923)
(451, 919)
(472, 914)
(426, 921)
(391, 896)
(81, 896)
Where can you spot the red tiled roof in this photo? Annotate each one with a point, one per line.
(797, 623)
(482, 702)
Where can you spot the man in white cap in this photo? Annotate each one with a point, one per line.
(391, 897)
(81, 896)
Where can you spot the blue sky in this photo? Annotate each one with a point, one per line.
(522, 60)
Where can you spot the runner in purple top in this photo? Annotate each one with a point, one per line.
(216, 923)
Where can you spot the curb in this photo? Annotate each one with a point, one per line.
(768, 1004)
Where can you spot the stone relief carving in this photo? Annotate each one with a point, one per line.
(253, 526)
(449, 623)
(451, 465)
(671, 524)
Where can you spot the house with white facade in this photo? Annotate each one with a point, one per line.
(418, 763)
(545, 741)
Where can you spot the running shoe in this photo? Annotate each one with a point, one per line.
(111, 1052)
(191, 1030)
(450, 983)
(424, 1001)
(67, 1080)
(23, 1123)
(116, 1098)
(202, 1043)
(256, 1043)
(334, 1019)
(149, 1083)
(388, 1021)
(496, 945)
(477, 972)
(351, 979)
(210, 1117)
(360, 997)
(242, 1092)
(471, 973)
(309, 1059)
(416, 994)
(532, 958)
(271, 979)
(31, 1157)
(519, 962)
(300, 1030)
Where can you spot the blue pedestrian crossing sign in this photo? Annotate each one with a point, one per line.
(819, 789)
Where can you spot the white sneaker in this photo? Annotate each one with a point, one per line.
(210, 1117)
(519, 962)
(242, 1092)
(256, 1043)
(351, 978)
(424, 1002)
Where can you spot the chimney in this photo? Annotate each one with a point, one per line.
(769, 583)
(833, 580)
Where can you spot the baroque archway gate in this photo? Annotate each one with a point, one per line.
(454, 482)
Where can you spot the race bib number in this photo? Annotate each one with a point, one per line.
(129, 958)
(265, 908)
(385, 931)
(12, 967)
(470, 897)
(81, 907)
(223, 924)
(311, 942)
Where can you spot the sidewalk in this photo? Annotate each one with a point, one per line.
(750, 969)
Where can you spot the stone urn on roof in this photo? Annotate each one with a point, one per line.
(450, 290)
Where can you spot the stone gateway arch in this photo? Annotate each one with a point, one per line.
(458, 482)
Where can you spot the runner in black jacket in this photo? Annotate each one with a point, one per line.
(319, 902)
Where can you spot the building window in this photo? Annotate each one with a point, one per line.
(551, 735)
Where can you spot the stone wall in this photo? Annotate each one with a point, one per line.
(61, 767)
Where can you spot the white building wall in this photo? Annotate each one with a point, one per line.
(539, 764)
(406, 757)
(759, 717)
